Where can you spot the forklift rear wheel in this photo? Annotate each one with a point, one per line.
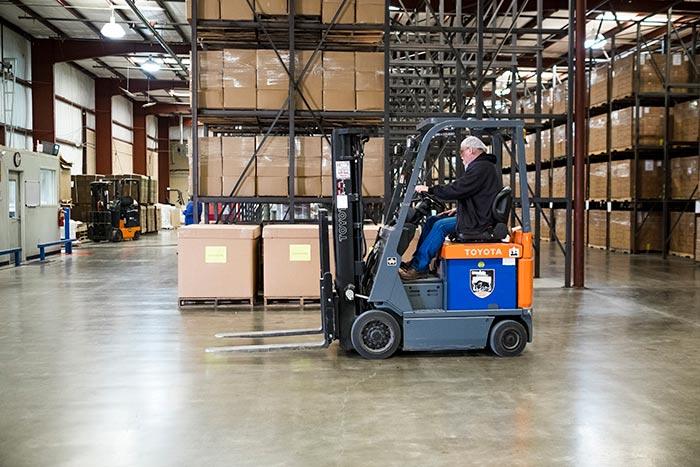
(117, 235)
(376, 335)
(508, 338)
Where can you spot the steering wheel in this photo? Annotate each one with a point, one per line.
(437, 203)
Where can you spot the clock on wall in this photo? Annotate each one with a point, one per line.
(17, 159)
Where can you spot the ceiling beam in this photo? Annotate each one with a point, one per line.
(172, 20)
(68, 50)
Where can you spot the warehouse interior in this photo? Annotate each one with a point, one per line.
(170, 179)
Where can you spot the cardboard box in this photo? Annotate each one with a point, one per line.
(210, 89)
(273, 156)
(559, 182)
(651, 127)
(597, 228)
(372, 185)
(218, 261)
(240, 79)
(311, 83)
(308, 7)
(624, 75)
(307, 157)
(686, 121)
(683, 235)
(272, 186)
(329, 8)
(649, 229)
(236, 155)
(598, 135)
(369, 11)
(307, 186)
(247, 186)
(210, 160)
(206, 9)
(684, 178)
(236, 10)
(338, 80)
(559, 141)
(210, 186)
(560, 98)
(373, 159)
(369, 80)
(648, 179)
(598, 181)
(326, 186)
(598, 91)
(272, 79)
(291, 261)
(271, 7)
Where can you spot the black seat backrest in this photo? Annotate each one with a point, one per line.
(500, 209)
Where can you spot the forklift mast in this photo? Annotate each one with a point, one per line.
(348, 234)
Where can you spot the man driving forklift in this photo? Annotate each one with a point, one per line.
(474, 192)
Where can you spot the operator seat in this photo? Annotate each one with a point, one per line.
(500, 210)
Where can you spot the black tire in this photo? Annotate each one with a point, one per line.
(137, 235)
(376, 335)
(508, 338)
(117, 235)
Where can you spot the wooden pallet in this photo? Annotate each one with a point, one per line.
(621, 250)
(682, 254)
(597, 247)
(215, 302)
(301, 301)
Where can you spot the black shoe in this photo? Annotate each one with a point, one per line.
(405, 265)
(411, 274)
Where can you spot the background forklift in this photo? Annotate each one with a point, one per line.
(115, 214)
(482, 296)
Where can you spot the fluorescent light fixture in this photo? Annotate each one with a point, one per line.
(112, 30)
(175, 93)
(598, 42)
(148, 104)
(150, 65)
(394, 8)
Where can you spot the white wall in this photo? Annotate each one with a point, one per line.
(122, 150)
(78, 88)
(14, 46)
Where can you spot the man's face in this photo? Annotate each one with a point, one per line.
(466, 154)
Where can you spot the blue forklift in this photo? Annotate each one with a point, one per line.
(482, 295)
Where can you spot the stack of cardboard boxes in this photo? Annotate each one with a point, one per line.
(338, 79)
(272, 172)
(307, 165)
(598, 91)
(81, 195)
(648, 178)
(684, 178)
(647, 236)
(652, 122)
(597, 228)
(239, 78)
(210, 166)
(652, 69)
(686, 121)
(272, 79)
(560, 98)
(353, 12)
(598, 134)
(598, 181)
(210, 88)
(236, 154)
(683, 235)
(369, 80)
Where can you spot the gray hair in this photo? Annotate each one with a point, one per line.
(473, 142)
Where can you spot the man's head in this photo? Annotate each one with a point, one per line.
(471, 148)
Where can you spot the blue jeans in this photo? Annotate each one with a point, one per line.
(431, 238)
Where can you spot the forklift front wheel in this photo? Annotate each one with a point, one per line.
(116, 235)
(508, 338)
(376, 335)
(137, 235)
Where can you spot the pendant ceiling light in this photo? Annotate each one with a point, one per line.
(150, 65)
(112, 30)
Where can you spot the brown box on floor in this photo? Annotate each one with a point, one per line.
(329, 9)
(272, 79)
(684, 178)
(686, 121)
(651, 127)
(649, 178)
(683, 235)
(597, 228)
(291, 261)
(598, 181)
(338, 81)
(217, 261)
(240, 78)
(369, 80)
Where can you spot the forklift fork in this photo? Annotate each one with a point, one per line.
(328, 312)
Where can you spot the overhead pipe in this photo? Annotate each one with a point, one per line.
(157, 35)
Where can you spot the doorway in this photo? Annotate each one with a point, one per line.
(15, 210)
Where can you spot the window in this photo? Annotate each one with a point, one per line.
(13, 199)
(47, 184)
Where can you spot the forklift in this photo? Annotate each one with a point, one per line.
(482, 295)
(115, 213)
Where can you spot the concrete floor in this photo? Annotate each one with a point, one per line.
(98, 367)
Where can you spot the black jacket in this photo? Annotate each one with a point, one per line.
(474, 192)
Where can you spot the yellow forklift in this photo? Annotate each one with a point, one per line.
(115, 212)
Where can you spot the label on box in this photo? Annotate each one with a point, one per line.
(300, 253)
(215, 255)
(677, 59)
(609, 206)
(649, 166)
(697, 207)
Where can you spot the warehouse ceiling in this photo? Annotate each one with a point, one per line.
(83, 19)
